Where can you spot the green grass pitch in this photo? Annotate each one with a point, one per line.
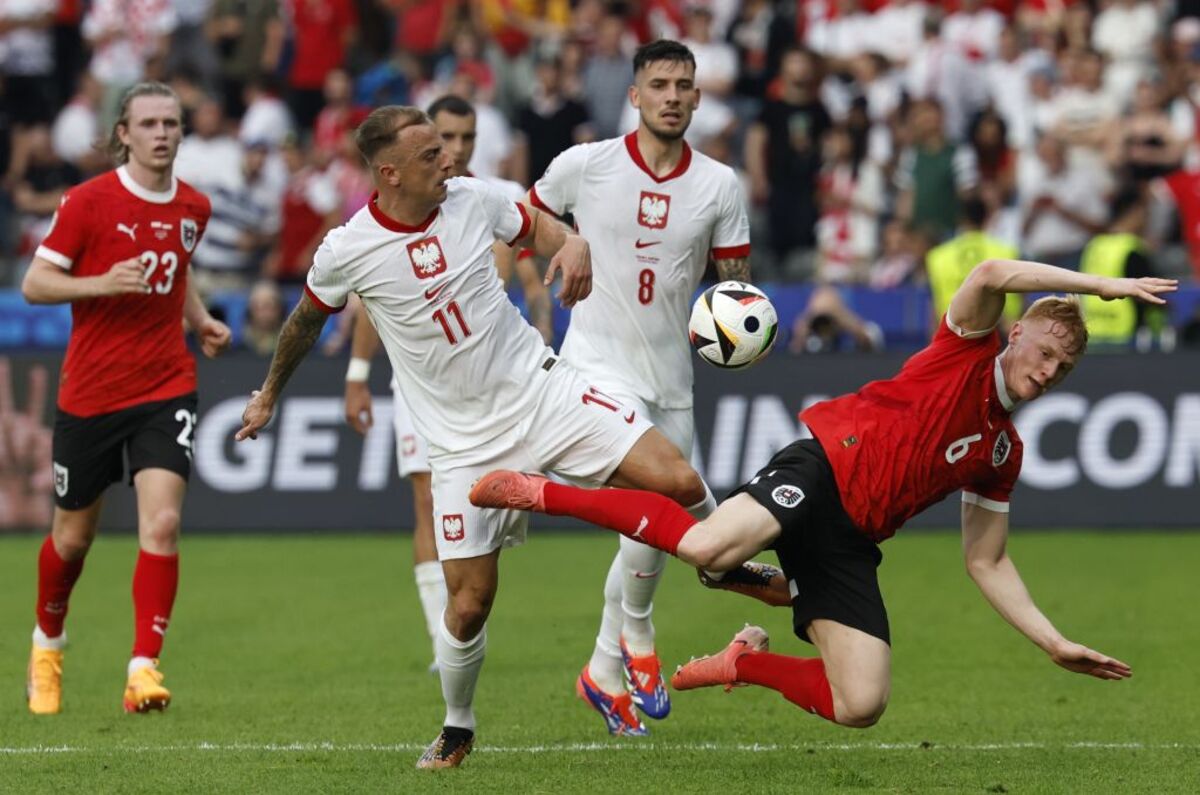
(298, 665)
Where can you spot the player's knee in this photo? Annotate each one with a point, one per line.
(860, 711)
(467, 612)
(685, 485)
(72, 539)
(160, 533)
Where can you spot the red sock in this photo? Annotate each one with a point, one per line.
(56, 578)
(155, 579)
(799, 680)
(651, 518)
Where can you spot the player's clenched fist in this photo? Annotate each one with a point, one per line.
(256, 416)
(214, 337)
(127, 276)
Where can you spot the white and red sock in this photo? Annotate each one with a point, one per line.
(155, 581)
(644, 516)
(56, 578)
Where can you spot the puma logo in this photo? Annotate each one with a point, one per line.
(129, 230)
(641, 526)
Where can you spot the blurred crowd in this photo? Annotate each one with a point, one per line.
(866, 131)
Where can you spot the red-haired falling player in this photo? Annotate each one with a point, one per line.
(879, 456)
(119, 251)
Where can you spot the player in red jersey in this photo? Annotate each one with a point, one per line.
(118, 251)
(879, 456)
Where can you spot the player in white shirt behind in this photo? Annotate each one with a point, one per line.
(653, 211)
(454, 119)
(484, 389)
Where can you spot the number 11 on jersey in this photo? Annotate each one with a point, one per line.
(440, 318)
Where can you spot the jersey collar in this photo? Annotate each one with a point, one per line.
(1002, 388)
(685, 159)
(145, 194)
(387, 222)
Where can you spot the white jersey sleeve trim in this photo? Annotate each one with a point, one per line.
(962, 332)
(972, 498)
(53, 257)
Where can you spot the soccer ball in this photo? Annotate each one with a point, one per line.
(733, 325)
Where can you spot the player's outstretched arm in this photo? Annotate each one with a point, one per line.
(296, 339)
(985, 534)
(979, 302)
(364, 342)
(46, 283)
(567, 251)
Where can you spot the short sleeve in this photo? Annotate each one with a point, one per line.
(508, 219)
(558, 189)
(68, 232)
(731, 237)
(995, 494)
(326, 284)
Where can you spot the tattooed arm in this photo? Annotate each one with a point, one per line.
(297, 338)
(736, 269)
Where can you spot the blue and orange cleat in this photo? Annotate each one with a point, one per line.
(617, 710)
(643, 677)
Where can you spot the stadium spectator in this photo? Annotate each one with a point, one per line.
(825, 504)
(940, 72)
(209, 157)
(39, 189)
(995, 160)
(851, 191)
(128, 385)
(933, 174)
(551, 122)
(607, 77)
(190, 48)
(310, 208)
(125, 36)
(1145, 144)
(1007, 80)
(264, 318)
(783, 160)
(975, 30)
(248, 38)
(1084, 115)
(243, 227)
(948, 265)
(1124, 32)
(339, 115)
(76, 129)
(1120, 253)
(29, 93)
(267, 117)
(829, 325)
(476, 347)
(1062, 204)
(322, 31)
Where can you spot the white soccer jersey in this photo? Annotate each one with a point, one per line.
(650, 239)
(462, 354)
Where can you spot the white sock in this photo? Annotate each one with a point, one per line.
(431, 589)
(139, 662)
(459, 663)
(643, 566)
(44, 641)
(605, 665)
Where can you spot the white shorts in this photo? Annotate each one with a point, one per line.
(573, 430)
(678, 425)
(412, 453)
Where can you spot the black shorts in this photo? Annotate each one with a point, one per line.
(90, 452)
(830, 565)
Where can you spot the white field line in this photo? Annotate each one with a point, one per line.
(575, 748)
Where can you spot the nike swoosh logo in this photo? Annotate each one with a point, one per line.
(629, 419)
(432, 292)
(647, 244)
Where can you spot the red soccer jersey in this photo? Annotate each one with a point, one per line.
(941, 424)
(128, 349)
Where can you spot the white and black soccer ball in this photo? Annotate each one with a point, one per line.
(733, 325)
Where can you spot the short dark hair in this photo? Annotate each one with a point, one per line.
(974, 211)
(452, 104)
(382, 127)
(662, 50)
